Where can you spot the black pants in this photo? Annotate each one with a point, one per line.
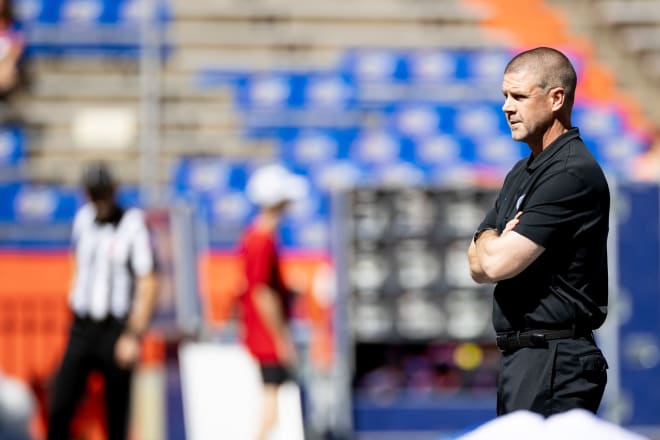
(567, 374)
(90, 348)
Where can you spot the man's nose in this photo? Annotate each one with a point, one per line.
(507, 107)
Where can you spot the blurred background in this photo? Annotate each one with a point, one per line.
(391, 108)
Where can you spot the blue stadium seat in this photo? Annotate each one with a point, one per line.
(431, 66)
(8, 191)
(44, 203)
(38, 203)
(480, 121)
(485, 66)
(306, 225)
(217, 191)
(339, 175)
(268, 90)
(301, 148)
(109, 27)
(374, 65)
(129, 196)
(421, 119)
(399, 174)
(596, 121)
(206, 78)
(229, 207)
(460, 174)
(313, 235)
(12, 146)
(40, 215)
(36, 216)
(440, 150)
(604, 130)
(444, 66)
(272, 101)
(206, 175)
(328, 91)
(499, 150)
(376, 147)
(616, 153)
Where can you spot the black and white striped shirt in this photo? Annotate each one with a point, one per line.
(108, 257)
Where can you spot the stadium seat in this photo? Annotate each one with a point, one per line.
(84, 27)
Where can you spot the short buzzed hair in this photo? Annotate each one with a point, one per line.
(554, 69)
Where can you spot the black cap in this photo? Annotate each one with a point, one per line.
(98, 181)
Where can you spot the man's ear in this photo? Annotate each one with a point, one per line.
(557, 97)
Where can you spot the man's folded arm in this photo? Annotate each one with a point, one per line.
(501, 257)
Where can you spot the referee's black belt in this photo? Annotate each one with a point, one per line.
(87, 320)
(514, 340)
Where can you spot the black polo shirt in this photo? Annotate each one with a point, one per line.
(565, 201)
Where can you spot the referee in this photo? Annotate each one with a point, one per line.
(544, 244)
(112, 297)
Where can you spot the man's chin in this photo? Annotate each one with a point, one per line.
(517, 135)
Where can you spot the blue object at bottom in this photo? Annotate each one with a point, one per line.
(458, 413)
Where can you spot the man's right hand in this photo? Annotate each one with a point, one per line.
(286, 350)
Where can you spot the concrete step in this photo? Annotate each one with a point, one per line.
(375, 10)
(117, 86)
(617, 12)
(173, 141)
(192, 33)
(195, 114)
(314, 54)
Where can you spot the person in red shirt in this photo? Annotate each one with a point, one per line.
(265, 303)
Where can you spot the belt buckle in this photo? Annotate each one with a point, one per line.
(504, 341)
(538, 340)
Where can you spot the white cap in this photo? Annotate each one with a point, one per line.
(273, 184)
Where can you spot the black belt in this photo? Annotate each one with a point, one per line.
(514, 340)
(107, 320)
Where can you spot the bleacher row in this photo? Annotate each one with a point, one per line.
(85, 26)
(637, 23)
(381, 117)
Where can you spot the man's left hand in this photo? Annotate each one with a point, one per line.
(511, 224)
(127, 350)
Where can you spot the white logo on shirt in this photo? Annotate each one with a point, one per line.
(519, 201)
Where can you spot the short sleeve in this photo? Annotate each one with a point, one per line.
(490, 221)
(142, 257)
(81, 220)
(556, 209)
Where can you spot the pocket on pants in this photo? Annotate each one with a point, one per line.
(579, 378)
(594, 367)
